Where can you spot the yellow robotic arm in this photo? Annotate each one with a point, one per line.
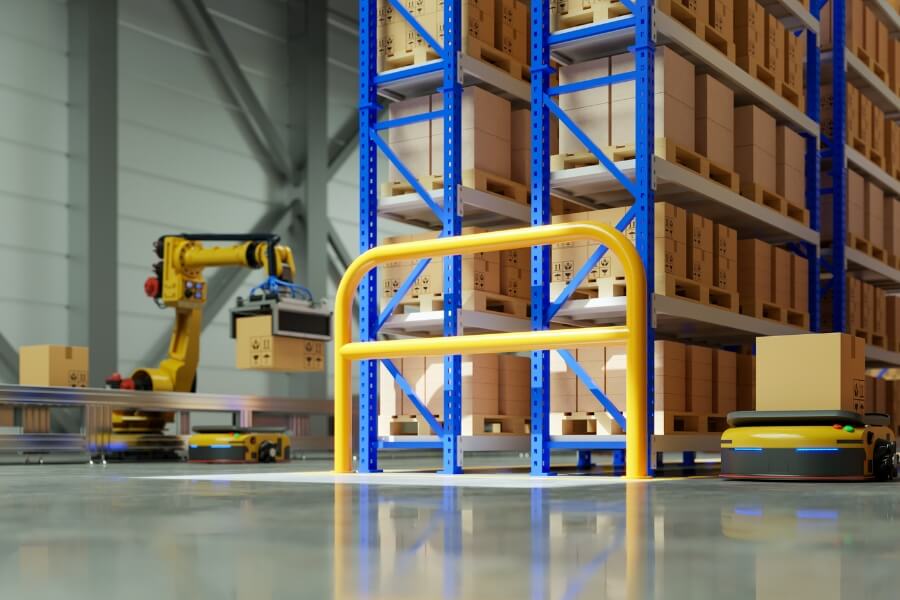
(178, 283)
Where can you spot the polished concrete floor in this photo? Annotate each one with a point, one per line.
(80, 531)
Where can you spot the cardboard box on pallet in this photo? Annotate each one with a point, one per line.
(754, 140)
(54, 366)
(391, 399)
(511, 29)
(891, 146)
(754, 274)
(795, 60)
(853, 124)
(810, 372)
(856, 204)
(563, 385)
(790, 165)
(411, 143)
(892, 305)
(864, 132)
(867, 307)
(674, 99)
(589, 109)
(854, 303)
(877, 147)
(746, 382)
(870, 33)
(480, 384)
(486, 123)
(725, 382)
(515, 385)
(799, 283)
(892, 226)
(749, 32)
(700, 250)
(775, 50)
(725, 263)
(714, 120)
(699, 379)
(593, 360)
(879, 314)
(520, 132)
(883, 47)
(874, 212)
(719, 15)
(781, 277)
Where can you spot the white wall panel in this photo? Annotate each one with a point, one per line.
(33, 172)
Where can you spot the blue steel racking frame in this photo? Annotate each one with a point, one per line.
(543, 308)
(834, 148)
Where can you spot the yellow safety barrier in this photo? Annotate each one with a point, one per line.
(634, 333)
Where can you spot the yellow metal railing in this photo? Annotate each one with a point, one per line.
(633, 333)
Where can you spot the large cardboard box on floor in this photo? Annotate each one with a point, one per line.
(822, 371)
(53, 366)
(674, 100)
(257, 349)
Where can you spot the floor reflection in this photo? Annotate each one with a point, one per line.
(642, 541)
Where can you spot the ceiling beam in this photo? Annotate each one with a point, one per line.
(263, 129)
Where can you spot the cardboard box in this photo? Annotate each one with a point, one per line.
(480, 150)
(594, 122)
(719, 16)
(673, 76)
(725, 273)
(856, 201)
(715, 142)
(583, 71)
(674, 120)
(714, 101)
(563, 385)
(746, 379)
(879, 326)
(391, 399)
(790, 154)
(878, 145)
(799, 283)
(781, 277)
(867, 307)
(874, 211)
(700, 232)
(259, 350)
(725, 242)
(699, 379)
(724, 382)
(811, 372)
(486, 129)
(892, 318)
(515, 385)
(670, 376)
(511, 29)
(754, 139)
(775, 50)
(870, 33)
(755, 268)
(54, 366)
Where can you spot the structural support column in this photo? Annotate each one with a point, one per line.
(308, 47)
(93, 182)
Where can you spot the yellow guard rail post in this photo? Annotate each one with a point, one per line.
(634, 332)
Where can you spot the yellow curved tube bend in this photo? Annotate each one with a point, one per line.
(634, 333)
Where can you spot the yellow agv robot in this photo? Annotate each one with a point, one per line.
(808, 445)
(239, 445)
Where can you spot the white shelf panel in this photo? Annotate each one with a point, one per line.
(474, 71)
(431, 323)
(872, 271)
(792, 13)
(876, 357)
(706, 59)
(681, 186)
(473, 443)
(888, 14)
(678, 318)
(478, 209)
(866, 81)
(861, 163)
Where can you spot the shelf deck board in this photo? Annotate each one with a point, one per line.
(482, 209)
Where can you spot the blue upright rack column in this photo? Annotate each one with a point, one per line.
(540, 215)
(812, 164)
(642, 212)
(836, 151)
(452, 225)
(368, 232)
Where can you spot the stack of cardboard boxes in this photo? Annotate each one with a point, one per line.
(772, 283)
(746, 382)
(790, 166)
(492, 385)
(700, 249)
(755, 148)
(869, 315)
(714, 121)
(400, 45)
(486, 133)
(868, 37)
(688, 380)
(725, 258)
(501, 25)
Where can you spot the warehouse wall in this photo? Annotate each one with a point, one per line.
(185, 160)
(33, 171)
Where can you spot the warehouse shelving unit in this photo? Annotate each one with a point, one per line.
(639, 182)
(839, 260)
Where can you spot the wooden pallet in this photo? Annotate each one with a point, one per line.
(724, 299)
(476, 300)
(583, 423)
(797, 318)
(763, 310)
(716, 423)
(714, 38)
(759, 71)
(416, 425)
(859, 145)
(497, 58)
(666, 422)
(475, 179)
(776, 202)
(792, 94)
(879, 339)
(858, 243)
(867, 247)
(724, 176)
(876, 157)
